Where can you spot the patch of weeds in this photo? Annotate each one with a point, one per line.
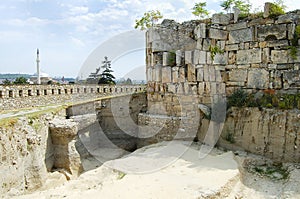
(215, 50)
(172, 58)
(121, 175)
(276, 9)
(8, 122)
(274, 172)
(238, 98)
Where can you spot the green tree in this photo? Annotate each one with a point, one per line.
(199, 10)
(106, 76)
(148, 20)
(128, 81)
(20, 80)
(243, 5)
(277, 8)
(6, 82)
(227, 5)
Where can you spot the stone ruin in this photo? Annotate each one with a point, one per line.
(192, 65)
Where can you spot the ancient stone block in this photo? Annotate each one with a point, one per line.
(231, 57)
(153, 35)
(212, 73)
(273, 32)
(221, 58)
(248, 56)
(237, 26)
(200, 74)
(239, 36)
(158, 73)
(291, 79)
(181, 74)
(179, 57)
(166, 74)
(188, 57)
(218, 34)
(206, 73)
(279, 56)
(238, 75)
(201, 88)
(200, 31)
(265, 55)
(231, 47)
(222, 19)
(175, 76)
(267, 9)
(258, 78)
(191, 76)
(206, 44)
(291, 30)
(287, 18)
(149, 74)
(199, 57)
(277, 43)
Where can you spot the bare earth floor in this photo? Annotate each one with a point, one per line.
(157, 171)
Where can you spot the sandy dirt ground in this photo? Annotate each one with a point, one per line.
(157, 171)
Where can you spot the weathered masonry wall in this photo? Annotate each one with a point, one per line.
(185, 70)
(13, 97)
(44, 149)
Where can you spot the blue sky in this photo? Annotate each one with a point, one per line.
(68, 31)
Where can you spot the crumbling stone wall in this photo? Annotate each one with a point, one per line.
(24, 96)
(185, 66)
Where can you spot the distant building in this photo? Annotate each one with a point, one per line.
(44, 78)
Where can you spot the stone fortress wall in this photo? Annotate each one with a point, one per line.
(24, 96)
(186, 72)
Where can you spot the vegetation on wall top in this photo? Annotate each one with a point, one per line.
(148, 20)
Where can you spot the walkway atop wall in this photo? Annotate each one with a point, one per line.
(29, 96)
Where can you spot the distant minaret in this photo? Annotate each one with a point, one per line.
(38, 67)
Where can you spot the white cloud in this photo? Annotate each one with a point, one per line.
(78, 10)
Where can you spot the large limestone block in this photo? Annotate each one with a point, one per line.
(158, 73)
(200, 31)
(258, 78)
(199, 74)
(237, 26)
(181, 74)
(222, 19)
(188, 57)
(221, 58)
(291, 79)
(199, 57)
(153, 35)
(238, 75)
(166, 74)
(251, 56)
(191, 73)
(279, 56)
(179, 57)
(218, 34)
(271, 32)
(149, 74)
(175, 76)
(239, 36)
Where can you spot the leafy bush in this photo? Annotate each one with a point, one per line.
(148, 19)
(276, 9)
(214, 50)
(238, 98)
(199, 10)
